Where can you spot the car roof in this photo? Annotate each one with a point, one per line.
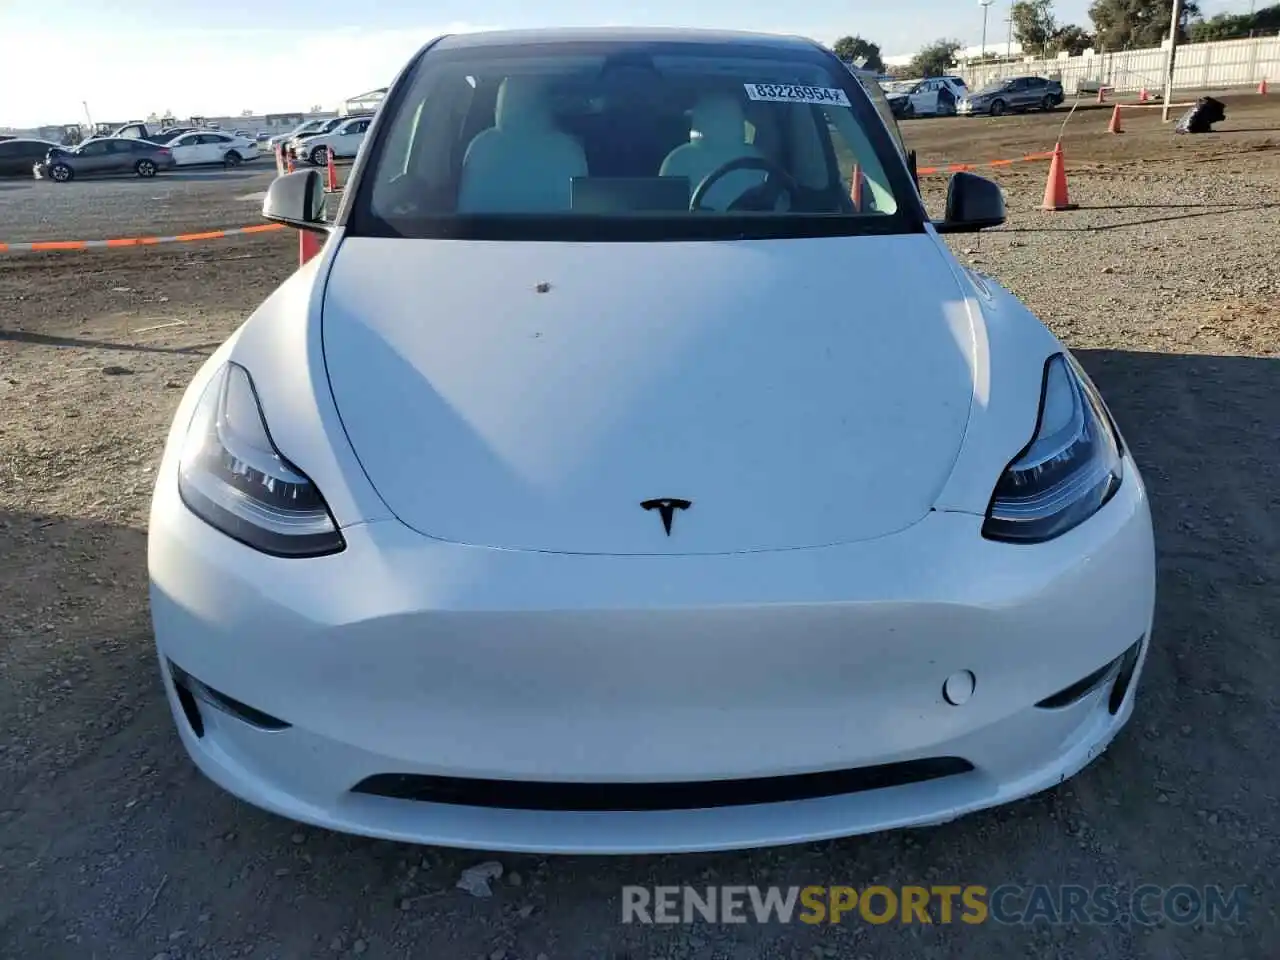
(502, 38)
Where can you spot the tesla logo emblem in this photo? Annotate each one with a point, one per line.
(666, 507)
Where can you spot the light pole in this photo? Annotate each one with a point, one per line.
(984, 4)
(1173, 49)
(1008, 43)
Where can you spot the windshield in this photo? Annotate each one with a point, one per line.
(618, 141)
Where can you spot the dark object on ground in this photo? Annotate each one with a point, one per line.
(1201, 117)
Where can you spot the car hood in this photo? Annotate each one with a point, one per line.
(535, 395)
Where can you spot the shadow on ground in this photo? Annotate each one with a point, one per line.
(49, 340)
(1205, 210)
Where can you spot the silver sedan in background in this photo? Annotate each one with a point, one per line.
(105, 156)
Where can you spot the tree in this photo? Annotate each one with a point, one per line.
(850, 49)
(1125, 24)
(1228, 26)
(1074, 40)
(1033, 24)
(935, 59)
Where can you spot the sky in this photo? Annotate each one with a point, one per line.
(221, 57)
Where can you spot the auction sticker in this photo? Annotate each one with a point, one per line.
(795, 93)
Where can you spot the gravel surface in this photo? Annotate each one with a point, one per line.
(113, 846)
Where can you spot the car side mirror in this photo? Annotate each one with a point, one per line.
(297, 200)
(973, 203)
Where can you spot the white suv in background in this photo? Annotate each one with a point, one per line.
(343, 141)
(930, 97)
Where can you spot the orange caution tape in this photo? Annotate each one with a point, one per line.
(42, 245)
(965, 167)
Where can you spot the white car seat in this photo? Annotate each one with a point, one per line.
(522, 164)
(718, 135)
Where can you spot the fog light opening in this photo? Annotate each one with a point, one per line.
(1120, 689)
(198, 690)
(187, 701)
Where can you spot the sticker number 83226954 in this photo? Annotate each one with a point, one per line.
(795, 93)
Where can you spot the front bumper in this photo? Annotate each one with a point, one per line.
(967, 107)
(407, 659)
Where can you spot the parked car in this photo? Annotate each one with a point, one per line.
(156, 134)
(298, 147)
(931, 97)
(303, 129)
(18, 155)
(528, 516)
(211, 146)
(105, 156)
(1014, 95)
(342, 141)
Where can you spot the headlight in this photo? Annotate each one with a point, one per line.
(232, 476)
(1068, 471)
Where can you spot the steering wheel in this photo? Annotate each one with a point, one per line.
(776, 183)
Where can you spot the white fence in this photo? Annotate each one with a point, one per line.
(1198, 66)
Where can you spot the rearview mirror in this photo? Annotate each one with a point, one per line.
(297, 200)
(973, 203)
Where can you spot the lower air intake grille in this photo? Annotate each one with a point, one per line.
(680, 795)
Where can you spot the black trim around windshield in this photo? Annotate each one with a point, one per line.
(570, 228)
(357, 217)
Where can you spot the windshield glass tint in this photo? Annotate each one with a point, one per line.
(680, 133)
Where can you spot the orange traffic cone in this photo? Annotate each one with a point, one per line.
(308, 246)
(331, 176)
(855, 187)
(1114, 126)
(1262, 87)
(1102, 94)
(1055, 189)
(1143, 96)
(289, 163)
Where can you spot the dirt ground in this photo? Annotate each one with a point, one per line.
(112, 845)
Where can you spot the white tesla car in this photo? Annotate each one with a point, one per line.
(212, 146)
(626, 475)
